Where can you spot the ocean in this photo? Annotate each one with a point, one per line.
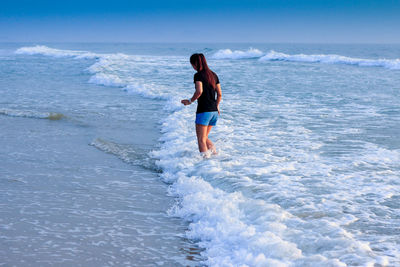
(99, 163)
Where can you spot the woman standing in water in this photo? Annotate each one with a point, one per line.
(208, 95)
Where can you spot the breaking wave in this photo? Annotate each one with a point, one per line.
(272, 55)
(47, 51)
(237, 54)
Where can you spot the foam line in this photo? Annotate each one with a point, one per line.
(332, 59)
(237, 54)
(47, 51)
(393, 64)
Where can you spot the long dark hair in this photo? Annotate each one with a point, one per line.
(200, 64)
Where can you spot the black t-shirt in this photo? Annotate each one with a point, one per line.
(207, 102)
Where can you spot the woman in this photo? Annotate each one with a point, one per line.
(207, 87)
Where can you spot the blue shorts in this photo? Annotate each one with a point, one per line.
(207, 118)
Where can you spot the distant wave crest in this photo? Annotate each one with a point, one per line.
(333, 59)
(47, 51)
(237, 54)
(272, 55)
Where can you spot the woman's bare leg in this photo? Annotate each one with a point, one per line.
(202, 133)
(210, 144)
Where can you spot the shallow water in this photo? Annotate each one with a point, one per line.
(309, 151)
(77, 186)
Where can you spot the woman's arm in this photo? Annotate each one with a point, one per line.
(219, 96)
(197, 94)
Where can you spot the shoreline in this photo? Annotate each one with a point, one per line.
(66, 201)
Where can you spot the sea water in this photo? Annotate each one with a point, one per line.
(99, 161)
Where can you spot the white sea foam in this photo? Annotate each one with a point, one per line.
(107, 80)
(229, 234)
(333, 59)
(238, 230)
(272, 55)
(47, 51)
(237, 54)
(116, 70)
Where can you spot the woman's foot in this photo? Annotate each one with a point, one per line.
(213, 150)
(206, 154)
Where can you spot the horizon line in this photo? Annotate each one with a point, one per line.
(213, 42)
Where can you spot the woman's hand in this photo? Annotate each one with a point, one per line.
(219, 111)
(186, 102)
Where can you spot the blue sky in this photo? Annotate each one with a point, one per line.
(321, 21)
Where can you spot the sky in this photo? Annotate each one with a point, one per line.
(248, 21)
